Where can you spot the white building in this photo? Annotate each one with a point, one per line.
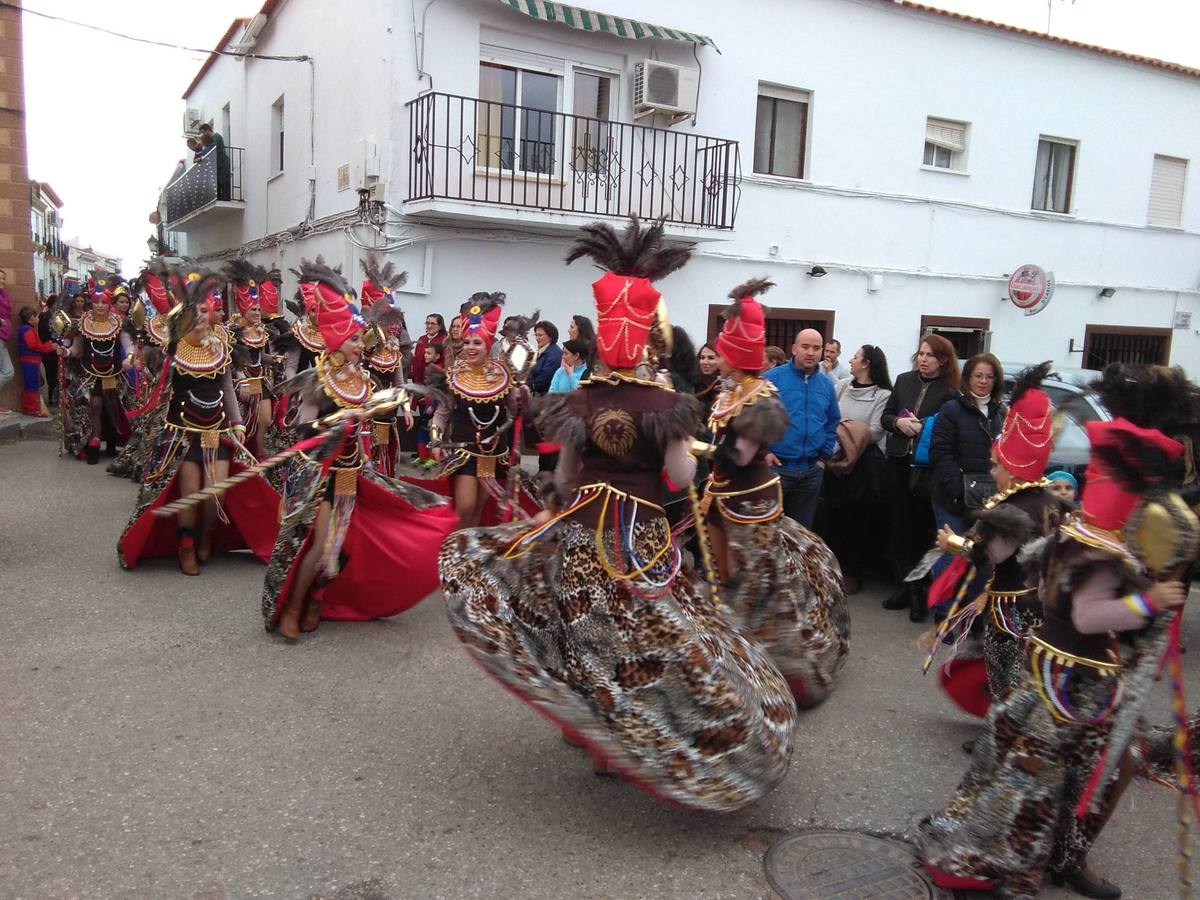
(49, 250)
(917, 157)
(85, 262)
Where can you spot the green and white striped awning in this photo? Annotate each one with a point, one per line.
(602, 23)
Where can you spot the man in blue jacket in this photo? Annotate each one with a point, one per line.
(811, 401)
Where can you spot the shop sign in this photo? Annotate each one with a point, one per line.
(1030, 288)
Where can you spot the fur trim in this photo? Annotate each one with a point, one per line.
(1149, 396)
(1029, 379)
(1001, 521)
(384, 276)
(556, 422)
(484, 300)
(681, 421)
(638, 252)
(519, 326)
(764, 421)
(306, 384)
(296, 304)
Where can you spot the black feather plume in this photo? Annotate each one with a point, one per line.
(243, 271)
(1030, 379)
(1149, 396)
(483, 300)
(382, 276)
(639, 252)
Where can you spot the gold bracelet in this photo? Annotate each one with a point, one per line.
(960, 545)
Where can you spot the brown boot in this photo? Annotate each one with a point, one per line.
(312, 612)
(288, 625)
(204, 547)
(187, 553)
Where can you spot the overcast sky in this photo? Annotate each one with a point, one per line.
(104, 114)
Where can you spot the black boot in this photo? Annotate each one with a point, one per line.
(918, 609)
(898, 599)
(93, 453)
(1078, 881)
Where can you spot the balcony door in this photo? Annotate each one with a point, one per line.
(517, 119)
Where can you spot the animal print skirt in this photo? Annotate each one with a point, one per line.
(663, 687)
(131, 460)
(786, 593)
(1013, 815)
(1003, 653)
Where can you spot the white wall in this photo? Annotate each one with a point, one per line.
(944, 242)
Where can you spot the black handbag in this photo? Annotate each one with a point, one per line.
(976, 490)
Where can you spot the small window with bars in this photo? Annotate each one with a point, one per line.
(1167, 181)
(945, 144)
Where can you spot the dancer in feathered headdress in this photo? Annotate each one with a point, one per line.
(388, 348)
(1044, 774)
(780, 580)
(99, 390)
(475, 411)
(590, 617)
(200, 443)
(354, 544)
(251, 352)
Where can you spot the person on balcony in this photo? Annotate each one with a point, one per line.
(212, 142)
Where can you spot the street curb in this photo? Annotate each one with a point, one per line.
(26, 428)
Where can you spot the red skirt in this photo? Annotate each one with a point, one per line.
(389, 556)
(491, 511)
(252, 509)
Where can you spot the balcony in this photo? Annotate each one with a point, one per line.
(482, 160)
(206, 193)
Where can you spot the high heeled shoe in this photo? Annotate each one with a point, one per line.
(1081, 883)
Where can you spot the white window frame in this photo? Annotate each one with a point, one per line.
(1071, 175)
(278, 136)
(958, 157)
(1178, 223)
(795, 95)
(510, 58)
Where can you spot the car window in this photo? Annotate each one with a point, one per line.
(1071, 445)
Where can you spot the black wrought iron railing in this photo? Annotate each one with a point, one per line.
(461, 148)
(218, 176)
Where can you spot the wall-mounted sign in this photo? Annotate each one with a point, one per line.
(1030, 288)
(1183, 318)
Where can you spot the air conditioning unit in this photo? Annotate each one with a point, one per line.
(662, 87)
(192, 120)
(364, 170)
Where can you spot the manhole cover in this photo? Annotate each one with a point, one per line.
(823, 865)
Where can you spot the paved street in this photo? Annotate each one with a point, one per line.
(157, 744)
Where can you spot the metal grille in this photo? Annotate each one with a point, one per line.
(782, 332)
(837, 865)
(461, 148)
(1106, 347)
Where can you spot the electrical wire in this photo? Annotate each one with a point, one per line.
(149, 41)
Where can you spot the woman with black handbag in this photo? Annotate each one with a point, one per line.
(961, 447)
(917, 395)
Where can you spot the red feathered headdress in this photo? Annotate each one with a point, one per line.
(625, 298)
(268, 293)
(481, 315)
(743, 340)
(1027, 438)
(328, 303)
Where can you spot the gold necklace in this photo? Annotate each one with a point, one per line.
(346, 385)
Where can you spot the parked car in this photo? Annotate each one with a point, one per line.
(1074, 407)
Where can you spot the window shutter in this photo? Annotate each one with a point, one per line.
(1166, 191)
(951, 135)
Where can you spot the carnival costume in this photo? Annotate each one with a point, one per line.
(1010, 523)
(378, 558)
(1038, 788)
(783, 585)
(253, 332)
(589, 617)
(98, 391)
(151, 338)
(387, 343)
(202, 426)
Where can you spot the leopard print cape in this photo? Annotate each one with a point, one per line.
(666, 689)
(131, 460)
(786, 593)
(1013, 816)
(1003, 654)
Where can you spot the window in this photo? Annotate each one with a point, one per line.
(968, 335)
(781, 132)
(591, 98)
(1104, 344)
(1054, 175)
(945, 144)
(782, 325)
(1166, 191)
(516, 118)
(277, 123)
(228, 138)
